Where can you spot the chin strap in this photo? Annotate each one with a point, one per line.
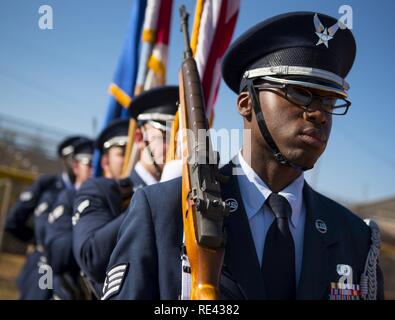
(151, 156)
(265, 131)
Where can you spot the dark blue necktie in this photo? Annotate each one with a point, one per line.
(278, 264)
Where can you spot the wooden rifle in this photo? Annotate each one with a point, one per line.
(202, 207)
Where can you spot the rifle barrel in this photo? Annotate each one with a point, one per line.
(184, 28)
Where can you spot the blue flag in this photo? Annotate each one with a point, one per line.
(122, 87)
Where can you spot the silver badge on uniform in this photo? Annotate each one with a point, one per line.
(343, 270)
(324, 34)
(56, 214)
(75, 218)
(80, 209)
(40, 208)
(232, 204)
(321, 226)
(83, 205)
(26, 196)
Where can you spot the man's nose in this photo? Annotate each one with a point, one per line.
(316, 113)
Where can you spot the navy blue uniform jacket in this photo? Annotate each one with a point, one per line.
(58, 241)
(150, 239)
(23, 209)
(96, 228)
(58, 247)
(28, 280)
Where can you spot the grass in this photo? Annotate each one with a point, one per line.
(10, 266)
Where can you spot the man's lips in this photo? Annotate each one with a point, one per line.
(313, 136)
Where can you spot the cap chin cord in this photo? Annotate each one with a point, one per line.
(151, 156)
(265, 131)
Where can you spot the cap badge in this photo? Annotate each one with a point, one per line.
(324, 34)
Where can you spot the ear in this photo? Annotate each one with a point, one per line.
(104, 161)
(244, 105)
(75, 167)
(138, 136)
(139, 140)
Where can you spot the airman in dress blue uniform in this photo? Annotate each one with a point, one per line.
(37, 201)
(58, 238)
(284, 239)
(99, 206)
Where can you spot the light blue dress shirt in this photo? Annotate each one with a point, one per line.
(147, 177)
(254, 193)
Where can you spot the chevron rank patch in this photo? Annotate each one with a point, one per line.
(83, 205)
(40, 208)
(75, 218)
(80, 209)
(56, 214)
(114, 280)
(26, 196)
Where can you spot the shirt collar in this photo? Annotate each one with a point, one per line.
(66, 180)
(147, 177)
(255, 192)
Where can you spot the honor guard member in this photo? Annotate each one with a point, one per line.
(99, 209)
(37, 201)
(58, 240)
(284, 240)
(17, 219)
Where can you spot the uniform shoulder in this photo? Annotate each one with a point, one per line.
(99, 195)
(62, 196)
(45, 181)
(159, 200)
(345, 217)
(98, 184)
(156, 207)
(97, 181)
(164, 190)
(47, 178)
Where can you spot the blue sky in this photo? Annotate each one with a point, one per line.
(59, 78)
